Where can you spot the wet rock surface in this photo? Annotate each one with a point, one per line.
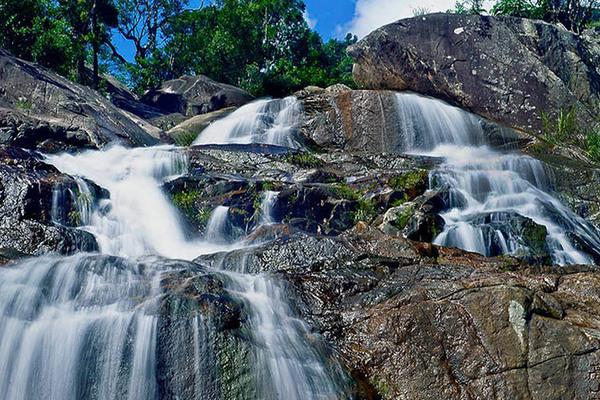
(326, 193)
(509, 70)
(27, 185)
(338, 118)
(417, 321)
(40, 109)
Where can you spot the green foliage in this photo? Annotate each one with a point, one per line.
(412, 183)
(468, 7)
(345, 191)
(518, 8)
(593, 146)
(186, 200)
(575, 15)
(185, 138)
(365, 211)
(557, 130)
(304, 160)
(33, 30)
(403, 217)
(23, 104)
(263, 46)
(74, 218)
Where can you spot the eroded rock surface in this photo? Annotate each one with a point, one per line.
(27, 226)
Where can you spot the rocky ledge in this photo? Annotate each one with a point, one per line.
(412, 320)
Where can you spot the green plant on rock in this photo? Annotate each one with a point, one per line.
(560, 129)
(185, 139)
(202, 217)
(403, 217)
(24, 104)
(365, 211)
(185, 201)
(412, 183)
(593, 146)
(345, 191)
(304, 160)
(74, 218)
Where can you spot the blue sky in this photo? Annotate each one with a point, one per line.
(335, 18)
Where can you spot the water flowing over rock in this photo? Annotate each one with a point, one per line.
(489, 189)
(510, 70)
(131, 314)
(263, 121)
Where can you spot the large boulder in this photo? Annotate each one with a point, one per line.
(509, 70)
(193, 95)
(40, 109)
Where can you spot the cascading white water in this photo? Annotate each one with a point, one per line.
(282, 355)
(85, 326)
(487, 188)
(77, 328)
(261, 122)
(266, 207)
(216, 227)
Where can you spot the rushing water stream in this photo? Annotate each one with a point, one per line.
(488, 189)
(86, 326)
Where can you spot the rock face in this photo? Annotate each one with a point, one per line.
(27, 223)
(509, 70)
(311, 193)
(40, 109)
(338, 118)
(415, 321)
(193, 95)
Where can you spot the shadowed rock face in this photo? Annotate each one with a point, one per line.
(193, 95)
(40, 109)
(509, 70)
(417, 321)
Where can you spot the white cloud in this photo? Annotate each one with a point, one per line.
(312, 22)
(371, 14)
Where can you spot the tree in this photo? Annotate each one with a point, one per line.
(575, 15)
(264, 46)
(32, 30)
(468, 7)
(143, 22)
(90, 21)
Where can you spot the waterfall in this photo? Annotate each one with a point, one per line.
(216, 227)
(488, 190)
(261, 122)
(87, 326)
(266, 207)
(77, 328)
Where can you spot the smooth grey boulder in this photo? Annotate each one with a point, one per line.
(40, 109)
(510, 70)
(193, 95)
